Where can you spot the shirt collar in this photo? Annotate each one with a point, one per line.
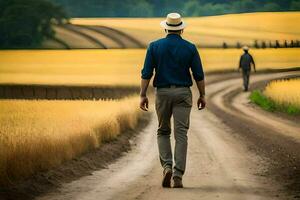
(171, 35)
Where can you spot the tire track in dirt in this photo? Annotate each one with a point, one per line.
(109, 34)
(124, 40)
(87, 36)
(276, 139)
(102, 36)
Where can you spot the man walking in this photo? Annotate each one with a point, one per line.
(172, 58)
(245, 63)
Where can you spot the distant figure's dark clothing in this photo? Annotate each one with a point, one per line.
(246, 75)
(245, 63)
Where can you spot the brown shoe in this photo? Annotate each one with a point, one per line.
(177, 182)
(166, 182)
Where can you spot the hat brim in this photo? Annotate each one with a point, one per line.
(164, 25)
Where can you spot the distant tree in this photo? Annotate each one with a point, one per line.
(295, 5)
(27, 23)
(286, 44)
(270, 44)
(244, 6)
(256, 45)
(277, 44)
(263, 45)
(191, 8)
(225, 46)
(292, 43)
(130, 8)
(271, 7)
(238, 45)
(297, 43)
(210, 9)
(140, 8)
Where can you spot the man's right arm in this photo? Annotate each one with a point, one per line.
(147, 73)
(201, 88)
(240, 64)
(201, 100)
(144, 102)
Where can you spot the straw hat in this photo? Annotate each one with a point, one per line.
(245, 48)
(173, 22)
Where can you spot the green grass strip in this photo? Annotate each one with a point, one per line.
(268, 104)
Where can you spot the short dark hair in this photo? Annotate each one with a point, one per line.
(174, 31)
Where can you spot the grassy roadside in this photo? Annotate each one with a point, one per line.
(268, 104)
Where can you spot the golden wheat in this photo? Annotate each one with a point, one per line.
(284, 92)
(117, 67)
(37, 135)
(215, 30)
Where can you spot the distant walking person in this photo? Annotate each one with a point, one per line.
(245, 63)
(172, 58)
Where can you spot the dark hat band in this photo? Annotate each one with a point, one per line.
(173, 24)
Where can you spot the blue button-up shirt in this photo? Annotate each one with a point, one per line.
(172, 58)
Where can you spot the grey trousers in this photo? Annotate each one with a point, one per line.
(246, 75)
(176, 102)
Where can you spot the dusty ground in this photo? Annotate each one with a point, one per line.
(236, 151)
(273, 136)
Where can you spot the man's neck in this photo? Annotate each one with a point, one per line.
(174, 33)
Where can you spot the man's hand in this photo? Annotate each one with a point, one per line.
(144, 102)
(201, 103)
(201, 100)
(143, 94)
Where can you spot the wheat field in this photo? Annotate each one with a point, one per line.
(38, 135)
(284, 92)
(213, 30)
(118, 67)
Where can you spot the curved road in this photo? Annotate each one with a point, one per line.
(220, 165)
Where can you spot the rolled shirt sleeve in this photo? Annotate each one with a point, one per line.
(196, 66)
(147, 71)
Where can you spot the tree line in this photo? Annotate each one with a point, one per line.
(25, 23)
(265, 44)
(159, 8)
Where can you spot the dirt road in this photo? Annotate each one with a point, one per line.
(220, 163)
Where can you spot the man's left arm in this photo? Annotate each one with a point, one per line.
(253, 63)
